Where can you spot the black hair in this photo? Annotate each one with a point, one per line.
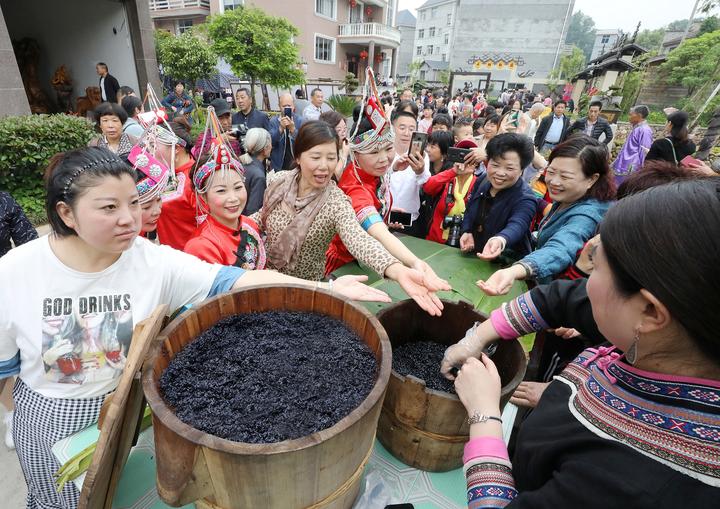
(130, 103)
(442, 111)
(182, 132)
(499, 145)
(643, 252)
(679, 121)
(642, 110)
(126, 91)
(107, 109)
(178, 82)
(243, 89)
(397, 113)
(70, 174)
(104, 65)
(429, 106)
(493, 119)
(312, 92)
(443, 139)
(563, 101)
(655, 172)
(477, 124)
(404, 105)
(594, 103)
(594, 158)
(442, 119)
(299, 94)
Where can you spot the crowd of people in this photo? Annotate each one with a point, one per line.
(147, 215)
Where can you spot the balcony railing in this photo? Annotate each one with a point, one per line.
(369, 31)
(163, 5)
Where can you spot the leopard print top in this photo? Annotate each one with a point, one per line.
(335, 217)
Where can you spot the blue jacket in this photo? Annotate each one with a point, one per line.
(509, 216)
(278, 139)
(255, 118)
(562, 234)
(255, 183)
(183, 104)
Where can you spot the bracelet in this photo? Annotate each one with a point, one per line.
(479, 418)
(526, 268)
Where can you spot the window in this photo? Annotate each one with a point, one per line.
(605, 39)
(184, 25)
(356, 13)
(389, 13)
(447, 38)
(325, 8)
(423, 74)
(229, 5)
(324, 49)
(444, 57)
(422, 16)
(421, 33)
(432, 32)
(430, 49)
(449, 19)
(419, 50)
(437, 50)
(433, 12)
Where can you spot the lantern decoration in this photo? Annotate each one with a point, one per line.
(378, 59)
(489, 64)
(511, 65)
(363, 55)
(353, 3)
(501, 65)
(368, 12)
(477, 65)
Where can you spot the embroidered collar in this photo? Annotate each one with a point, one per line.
(675, 421)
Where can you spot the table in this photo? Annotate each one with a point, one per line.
(425, 490)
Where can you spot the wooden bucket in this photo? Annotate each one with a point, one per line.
(424, 428)
(320, 470)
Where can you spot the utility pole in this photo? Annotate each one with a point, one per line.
(690, 21)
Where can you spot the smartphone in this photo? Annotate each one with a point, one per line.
(400, 506)
(404, 218)
(417, 143)
(457, 155)
(287, 112)
(690, 161)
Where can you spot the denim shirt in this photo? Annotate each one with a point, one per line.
(562, 234)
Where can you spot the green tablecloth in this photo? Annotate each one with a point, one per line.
(459, 269)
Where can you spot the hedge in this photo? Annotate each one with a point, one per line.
(26, 145)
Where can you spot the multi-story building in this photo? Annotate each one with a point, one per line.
(604, 40)
(516, 43)
(336, 36)
(405, 22)
(434, 30)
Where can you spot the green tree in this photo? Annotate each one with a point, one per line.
(581, 33)
(257, 46)
(650, 39)
(678, 25)
(187, 56)
(694, 63)
(709, 24)
(444, 77)
(569, 65)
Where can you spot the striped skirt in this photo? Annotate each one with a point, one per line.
(39, 423)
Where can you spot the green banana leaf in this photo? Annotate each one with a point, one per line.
(459, 269)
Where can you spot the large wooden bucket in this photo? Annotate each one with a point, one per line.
(320, 470)
(424, 428)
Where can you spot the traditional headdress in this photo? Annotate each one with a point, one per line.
(382, 131)
(222, 159)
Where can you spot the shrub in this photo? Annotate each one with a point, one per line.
(342, 104)
(26, 145)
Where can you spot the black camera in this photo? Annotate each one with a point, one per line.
(238, 131)
(454, 224)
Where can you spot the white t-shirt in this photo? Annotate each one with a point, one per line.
(73, 329)
(405, 187)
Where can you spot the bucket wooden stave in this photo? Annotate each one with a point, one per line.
(425, 428)
(319, 470)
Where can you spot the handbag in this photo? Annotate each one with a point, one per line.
(672, 145)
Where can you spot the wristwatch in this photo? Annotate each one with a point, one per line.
(478, 418)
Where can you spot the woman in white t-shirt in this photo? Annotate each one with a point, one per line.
(69, 301)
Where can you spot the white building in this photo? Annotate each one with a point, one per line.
(406, 22)
(434, 30)
(604, 40)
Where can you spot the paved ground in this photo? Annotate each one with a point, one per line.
(12, 483)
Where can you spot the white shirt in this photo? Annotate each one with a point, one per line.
(73, 329)
(405, 187)
(102, 89)
(311, 112)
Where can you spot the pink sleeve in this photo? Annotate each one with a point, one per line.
(501, 324)
(484, 447)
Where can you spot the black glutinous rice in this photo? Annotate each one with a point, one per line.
(268, 377)
(421, 359)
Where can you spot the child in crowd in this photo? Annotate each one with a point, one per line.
(463, 129)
